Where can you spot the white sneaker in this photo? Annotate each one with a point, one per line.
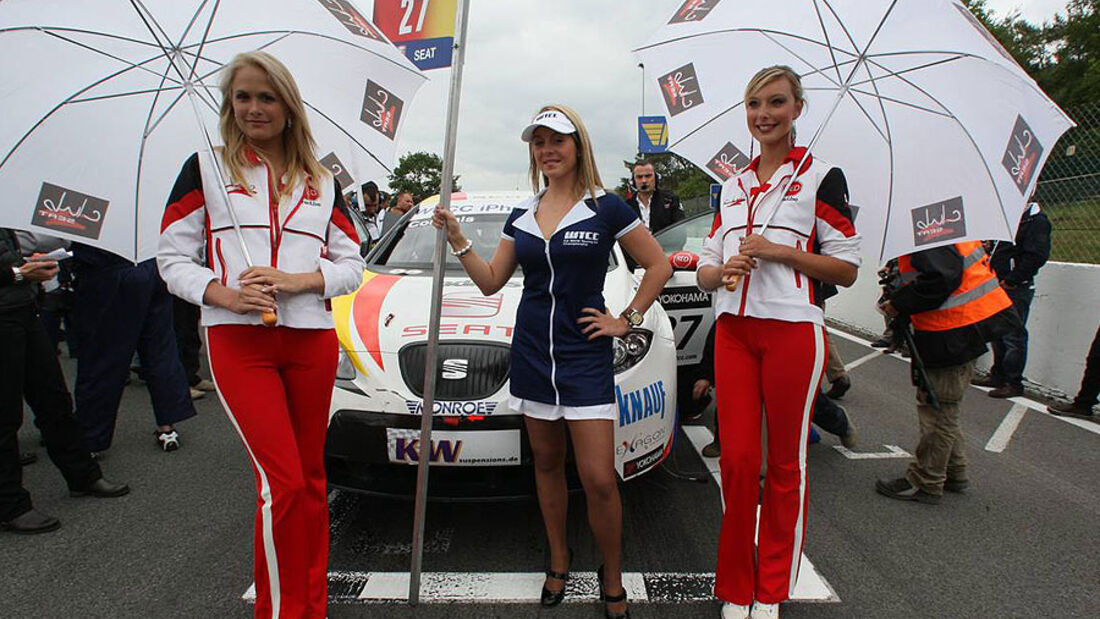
(735, 611)
(196, 394)
(204, 385)
(765, 611)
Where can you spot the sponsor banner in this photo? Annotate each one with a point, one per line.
(686, 297)
(339, 172)
(423, 30)
(652, 134)
(381, 109)
(680, 89)
(449, 448)
(351, 18)
(727, 161)
(639, 404)
(641, 463)
(693, 10)
(425, 212)
(1022, 154)
(67, 210)
(466, 409)
(940, 221)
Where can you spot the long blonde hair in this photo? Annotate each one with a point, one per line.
(588, 177)
(298, 145)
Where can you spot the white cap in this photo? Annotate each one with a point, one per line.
(551, 119)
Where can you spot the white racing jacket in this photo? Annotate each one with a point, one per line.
(813, 216)
(308, 231)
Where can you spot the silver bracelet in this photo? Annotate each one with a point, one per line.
(465, 250)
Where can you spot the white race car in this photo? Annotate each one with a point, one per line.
(479, 447)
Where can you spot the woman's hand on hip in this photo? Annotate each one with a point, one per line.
(601, 324)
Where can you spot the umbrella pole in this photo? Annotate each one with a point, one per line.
(438, 260)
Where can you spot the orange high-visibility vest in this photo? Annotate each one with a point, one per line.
(978, 297)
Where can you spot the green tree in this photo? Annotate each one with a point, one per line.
(1073, 78)
(677, 174)
(420, 173)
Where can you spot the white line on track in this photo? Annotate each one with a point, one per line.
(892, 451)
(1003, 435)
(864, 359)
(1038, 407)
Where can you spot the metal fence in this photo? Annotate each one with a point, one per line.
(1069, 189)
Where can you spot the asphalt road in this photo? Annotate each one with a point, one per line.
(1022, 542)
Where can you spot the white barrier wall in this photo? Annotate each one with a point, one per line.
(1063, 321)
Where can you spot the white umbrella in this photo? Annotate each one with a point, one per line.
(940, 133)
(102, 102)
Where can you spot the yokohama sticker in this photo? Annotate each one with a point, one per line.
(66, 210)
(637, 465)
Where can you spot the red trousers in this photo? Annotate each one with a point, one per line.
(771, 369)
(276, 386)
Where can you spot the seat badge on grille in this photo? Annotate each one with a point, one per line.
(455, 369)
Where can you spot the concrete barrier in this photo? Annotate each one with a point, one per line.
(1063, 321)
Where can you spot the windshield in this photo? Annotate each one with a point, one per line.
(686, 235)
(415, 243)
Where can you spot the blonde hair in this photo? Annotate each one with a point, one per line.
(767, 74)
(588, 177)
(298, 144)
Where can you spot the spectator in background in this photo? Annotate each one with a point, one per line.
(1081, 406)
(657, 208)
(1016, 265)
(122, 308)
(30, 370)
(955, 307)
(402, 203)
(186, 325)
(371, 204)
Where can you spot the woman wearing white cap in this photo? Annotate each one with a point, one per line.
(562, 365)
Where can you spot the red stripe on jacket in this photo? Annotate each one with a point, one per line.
(341, 221)
(832, 216)
(189, 203)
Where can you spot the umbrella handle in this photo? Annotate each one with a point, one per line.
(270, 318)
(732, 283)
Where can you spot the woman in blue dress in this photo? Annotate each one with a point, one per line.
(561, 349)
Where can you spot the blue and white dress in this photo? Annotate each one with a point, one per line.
(557, 372)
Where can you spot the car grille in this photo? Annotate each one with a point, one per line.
(467, 371)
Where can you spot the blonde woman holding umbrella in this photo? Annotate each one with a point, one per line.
(769, 344)
(292, 218)
(562, 373)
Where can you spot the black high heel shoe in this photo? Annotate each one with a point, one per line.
(553, 598)
(611, 599)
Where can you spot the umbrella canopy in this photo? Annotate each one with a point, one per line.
(102, 102)
(940, 133)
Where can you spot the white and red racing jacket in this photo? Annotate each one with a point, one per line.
(813, 216)
(308, 231)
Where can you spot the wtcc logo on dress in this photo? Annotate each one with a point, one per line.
(680, 88)
(1022, 154)
(726, 162)
(693, 10)
(580, 238)
(939, 222)
(381, 109)
(641, 403)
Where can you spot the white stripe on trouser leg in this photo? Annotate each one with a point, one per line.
(803, 440)
(270, 558)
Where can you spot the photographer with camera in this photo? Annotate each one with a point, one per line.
(947, 303)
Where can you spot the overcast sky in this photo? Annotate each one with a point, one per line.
(526, 53)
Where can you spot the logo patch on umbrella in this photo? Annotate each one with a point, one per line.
(680, 88)
(351, 18)
(940, 221)
(693, 10)
(339, 172)
(726, 162)
(66, 210)
(381, 109)
(1022, 154)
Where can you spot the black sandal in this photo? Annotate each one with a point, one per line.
(553, 598)
(611, 599)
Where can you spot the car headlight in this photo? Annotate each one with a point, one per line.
(630, 349)
(345, 369)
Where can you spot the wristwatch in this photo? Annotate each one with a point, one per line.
(18, 275)
(633, 317)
